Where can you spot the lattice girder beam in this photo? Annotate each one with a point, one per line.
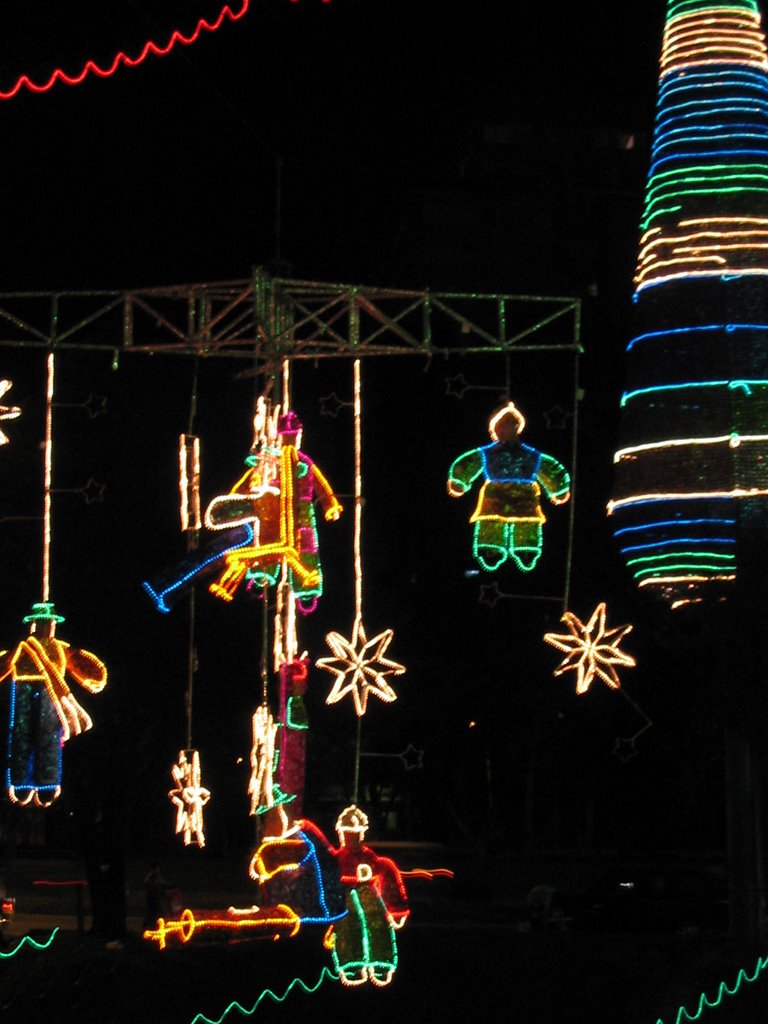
(268, 319)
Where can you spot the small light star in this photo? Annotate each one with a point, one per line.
(456, 386)
(625, 749)
(360, 667)
(555, 418)
(7, 412)
(490, 594)
(591, 650)
(412, 757)
(93, 491)
(331, 404)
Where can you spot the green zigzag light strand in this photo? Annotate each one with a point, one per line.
(29, 941)
(723, 990)
(325, 975)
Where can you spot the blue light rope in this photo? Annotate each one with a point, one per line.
(728, 328)
(680, 540)
(675, 522)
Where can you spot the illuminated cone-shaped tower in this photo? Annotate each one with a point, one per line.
(693, 449)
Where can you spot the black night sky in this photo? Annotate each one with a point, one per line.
(475, 148)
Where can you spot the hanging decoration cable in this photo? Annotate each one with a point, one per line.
(360, 665)
(43, 712)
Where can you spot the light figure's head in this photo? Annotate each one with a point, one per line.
(507, 423)
(351, 825)
(289, 427)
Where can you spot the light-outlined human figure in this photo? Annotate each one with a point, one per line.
(363, 944)
(266, 522)
(43, 710)
(508, 517)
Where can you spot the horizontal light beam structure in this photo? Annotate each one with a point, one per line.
(274, 318)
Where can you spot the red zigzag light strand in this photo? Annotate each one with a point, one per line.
(121, 58)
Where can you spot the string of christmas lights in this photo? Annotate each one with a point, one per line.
(121, 59)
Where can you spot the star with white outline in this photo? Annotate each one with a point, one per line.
(360, 667)
(7, 412)
(591, 649)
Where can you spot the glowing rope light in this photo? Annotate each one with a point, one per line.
(705, 328)
(7, 412)
(732, 440)
(723, 990)
(591, 649)
(190, 797)
(262, 789)
(325, 975)
(280, 920)
(674, 522)
(635, 499)
(744, 385)
(189, 482)
(359, 665)
(678, 540)
(176, 38)
(27, 940)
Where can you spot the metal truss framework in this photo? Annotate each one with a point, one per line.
(265, 319)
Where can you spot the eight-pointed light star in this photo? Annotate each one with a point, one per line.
(360, 667)
(591, 649)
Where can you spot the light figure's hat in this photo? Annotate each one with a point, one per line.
(352, 819)
(43, 611)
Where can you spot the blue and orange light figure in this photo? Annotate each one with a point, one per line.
(44, 713)
(694, 430)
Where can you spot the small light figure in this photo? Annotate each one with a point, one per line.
(508, 517)
(190, 797)
(363, 943)
(591, 649)
(264, 792)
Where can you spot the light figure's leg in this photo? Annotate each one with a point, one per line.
(525, 544)
(34, 746)
(206, 560)
(489, 545)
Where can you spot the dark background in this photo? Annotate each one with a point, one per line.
(477, 148)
